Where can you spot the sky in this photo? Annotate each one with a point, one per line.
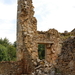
(58, 14)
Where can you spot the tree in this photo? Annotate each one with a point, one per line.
(14, 44)
(11, 51)
(41, 51)
(3, 53)
(7, 50)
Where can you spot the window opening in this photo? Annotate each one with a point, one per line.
(41, 51)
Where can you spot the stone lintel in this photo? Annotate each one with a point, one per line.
(45, 42)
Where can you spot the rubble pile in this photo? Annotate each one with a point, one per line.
(42, 67)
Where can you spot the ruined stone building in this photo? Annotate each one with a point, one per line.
(28, 39)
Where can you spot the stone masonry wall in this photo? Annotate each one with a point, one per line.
(11, 68)
(51, 39)
(16, 68)
(28, 39)
(26, 27)
(66, 60)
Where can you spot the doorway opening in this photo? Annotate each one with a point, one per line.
(41, 51)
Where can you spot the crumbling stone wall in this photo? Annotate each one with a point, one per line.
(16, 68)
(66, 60)
(11, 68)
(27, 42)
(28, 39)
(26, 30)
(51, 39)
(26, 27)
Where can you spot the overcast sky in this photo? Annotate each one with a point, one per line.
(58, 14)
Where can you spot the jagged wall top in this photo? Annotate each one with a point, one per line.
(26, 27)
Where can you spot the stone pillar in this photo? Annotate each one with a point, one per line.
(26, 30)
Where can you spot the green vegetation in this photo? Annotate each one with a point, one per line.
(57, 70)
(64, 36)
(7, 50)
(41, 51)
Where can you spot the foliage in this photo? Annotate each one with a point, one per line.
(11, 51)
(41, 51)
(7, 50)
(3, 53)
(14, 44)
(64, 36)
(57, 70)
